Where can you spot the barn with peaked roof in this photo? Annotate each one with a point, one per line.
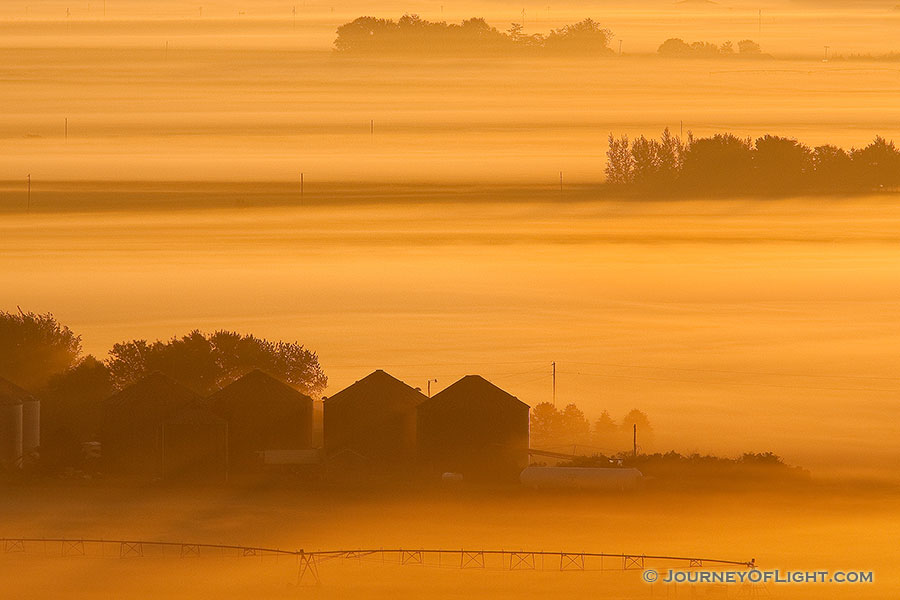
(263, 414)
(159, 428)
(475, 428)
(373, 421)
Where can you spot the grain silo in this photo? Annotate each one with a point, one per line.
(195, 446)
(473, 428)
(11, 400)
(31, 425)
(373, 421)
(263, 414)
(132, 424)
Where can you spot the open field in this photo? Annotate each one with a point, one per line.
(812, 530)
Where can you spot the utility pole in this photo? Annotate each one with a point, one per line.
(67, 129)
(301, 185)
(634, 440)
(553, 365)
(28, 207)
(372, 127)
(560, 181)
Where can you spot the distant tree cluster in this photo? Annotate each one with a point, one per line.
(677, 47)
(414, 35)
(552, 428)
(729, 164)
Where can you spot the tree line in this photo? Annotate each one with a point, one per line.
(677, 47)
(413, 35)
(729, 164)
(552, 428)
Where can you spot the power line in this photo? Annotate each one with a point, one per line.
(752, 383)
(735, 372)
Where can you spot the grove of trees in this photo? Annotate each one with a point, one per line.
(677, 47)
(726, 163)
(554, 429)
(412, 35)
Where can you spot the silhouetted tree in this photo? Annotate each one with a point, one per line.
(584, 37)
(544, 424)
(749, 47)
(576, 429)
(619, 161)
(671, 157)
(723, 162)
(70, 411)
(208, 362)
(781, 163)
(34, 347)
(605, 429)
(878, 164)
(656, 163)
(832, 169)
(674, 47)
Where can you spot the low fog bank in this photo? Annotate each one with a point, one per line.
(812, 529)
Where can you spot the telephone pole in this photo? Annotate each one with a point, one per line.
(301, 185)
(553, 365)
(28, 207)
(634, 440)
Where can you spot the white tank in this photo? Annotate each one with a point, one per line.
(580, 478)
(10, 434)
(31, 426)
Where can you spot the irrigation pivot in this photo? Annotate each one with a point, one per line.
(308, 562)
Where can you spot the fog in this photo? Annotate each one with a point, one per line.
(818, 529)
(450, 223)
(737, 325)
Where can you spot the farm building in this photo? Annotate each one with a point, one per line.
(157, 427)
(195, 446)
(12, 397)
(263, 414)
(473, 428)
(373, 421)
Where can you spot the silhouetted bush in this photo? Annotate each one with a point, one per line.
(725, 163)
(412, 35)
